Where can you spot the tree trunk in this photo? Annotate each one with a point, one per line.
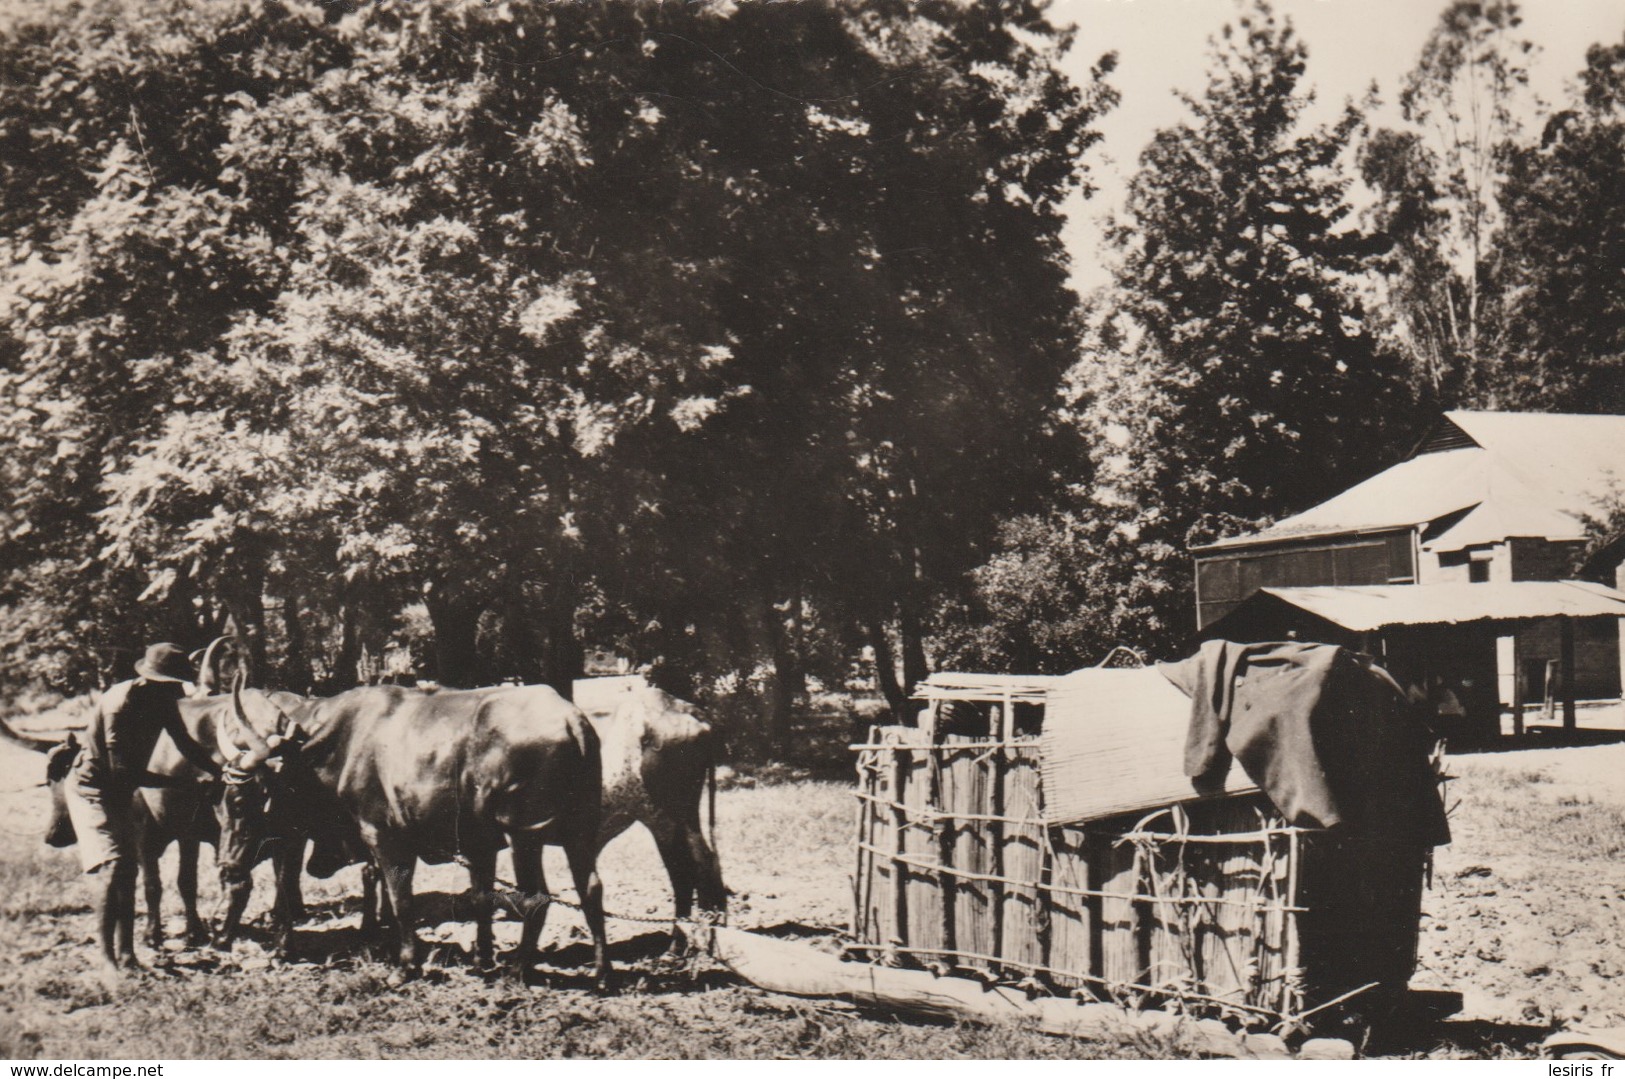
(296, 673)
(246, 605)
(886, 669)
(789, 679)
(564, 660)
(344, 674)
(455, 616)
(522, 654)
(915, 669)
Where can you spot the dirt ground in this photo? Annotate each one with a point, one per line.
(1524, 918)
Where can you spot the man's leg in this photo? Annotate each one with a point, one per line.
(124, 873)
(106, 849)
(109, 918)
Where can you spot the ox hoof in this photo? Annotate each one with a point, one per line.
(197, 936)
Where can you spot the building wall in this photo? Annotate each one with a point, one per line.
(1225, 578)
(1596, 657)
(1454, 567)
(1543, 560)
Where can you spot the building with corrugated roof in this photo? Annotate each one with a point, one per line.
(1487, 498)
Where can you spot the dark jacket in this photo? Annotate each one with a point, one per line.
(124, 731)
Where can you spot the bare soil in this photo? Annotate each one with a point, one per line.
(1523, 918)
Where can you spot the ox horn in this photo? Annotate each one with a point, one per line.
(38, 745)
(207, 671)
(258, 749)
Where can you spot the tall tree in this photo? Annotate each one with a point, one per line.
(1562, 250)
(1233, 383)
(1238, 261)
(1438, 181)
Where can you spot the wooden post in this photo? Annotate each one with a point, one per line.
(1567, 625)
(899, 868)
(945, 830)
(1518, 689)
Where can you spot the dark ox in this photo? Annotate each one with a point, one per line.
(657, 757)
(179, 813)
(439, 776)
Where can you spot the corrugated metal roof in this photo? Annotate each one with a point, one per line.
(1369, 607)
(1524, 474)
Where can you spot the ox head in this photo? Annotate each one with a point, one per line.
(256, 780)
(59, 761)
(59, 758)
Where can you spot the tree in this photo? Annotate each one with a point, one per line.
(1562, 250)
(1238, 263)
(689, 324)
(1230, 381)
(118, 267)
(1438, 184)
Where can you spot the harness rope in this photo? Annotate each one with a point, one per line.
(514, 901)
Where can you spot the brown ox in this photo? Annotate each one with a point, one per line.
(658, 756)
(437, 777)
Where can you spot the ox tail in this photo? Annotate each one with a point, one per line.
(38, 745)
(711, 799)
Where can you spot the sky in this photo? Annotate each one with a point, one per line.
(1162, 48)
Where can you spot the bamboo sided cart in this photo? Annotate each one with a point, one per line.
(1212, 906)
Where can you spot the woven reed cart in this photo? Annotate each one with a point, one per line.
(1211, 906)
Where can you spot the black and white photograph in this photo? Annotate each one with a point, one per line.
(827, 530)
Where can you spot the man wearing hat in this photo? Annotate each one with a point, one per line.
(118, 746)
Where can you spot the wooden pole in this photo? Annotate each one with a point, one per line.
(899, 862)
(1569, 720)
(1518, 689)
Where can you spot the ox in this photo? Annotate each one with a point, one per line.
(658, 756)
(177, 813)
(441, 776)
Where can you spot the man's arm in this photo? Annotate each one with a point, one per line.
(190, 748)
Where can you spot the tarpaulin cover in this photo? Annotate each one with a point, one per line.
(1324, 733)
(1113, 742)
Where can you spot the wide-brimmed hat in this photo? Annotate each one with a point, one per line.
(164, 663)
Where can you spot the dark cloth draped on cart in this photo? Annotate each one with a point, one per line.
(1324, 732)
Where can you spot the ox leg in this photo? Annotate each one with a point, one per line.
(286, 903)
(291, 900)
(693, 867)
(396, 871)
(679, 863)
(235, 890)
(197, 932)
(369, 900)
(376, 917)
(707, 871)
(482, 875)
(534, 899)
(582, 852)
